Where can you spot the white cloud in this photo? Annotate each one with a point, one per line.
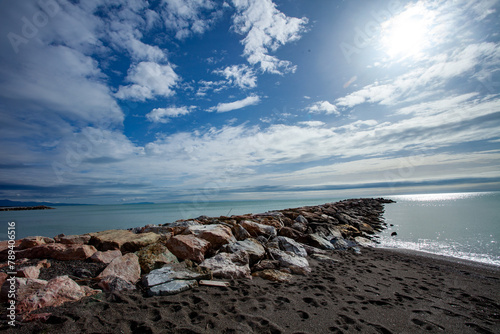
(162, 115)
(149, 80)
(206, 86)
(239, 75)
(186, 17)
(266, 29)
(312, 123)
(323, 107)
(225, 107)
(431, 74)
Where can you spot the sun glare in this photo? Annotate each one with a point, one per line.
(407, 34)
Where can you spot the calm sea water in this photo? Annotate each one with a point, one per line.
(463, 225)
(94, 218)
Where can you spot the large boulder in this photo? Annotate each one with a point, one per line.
(188, 247)
(81, 239)
(301, 219)
(58, 252)
(175, 271)
(292, 233)
(297, 264)
(226, 265)
(318, 241)
(155, 256)
(240, 233)
(126, 267)
(256, 229)
(172, 287)
(105, 257)
(251, 246)
(23, 287)
(124, 240)
(173, 278)
(29, 242)
(216, 234)
(54, 293)
(292, 246)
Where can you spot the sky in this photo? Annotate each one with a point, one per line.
(203, 100)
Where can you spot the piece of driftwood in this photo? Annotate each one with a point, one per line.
(213, 283)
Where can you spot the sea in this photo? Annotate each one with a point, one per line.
(459, 225)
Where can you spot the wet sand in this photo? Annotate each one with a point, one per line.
(379, 291)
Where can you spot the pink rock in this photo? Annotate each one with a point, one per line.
(29, 242)
(126, 267)
(82, 239)
(4, 245)
(59, 252)
(124, 240)
(29, 272)
(226, 265)
(23, 287)
(216, 234)
(188, 247)
(105, 257)
(54, 293)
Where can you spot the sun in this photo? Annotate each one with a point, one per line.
(407, 34)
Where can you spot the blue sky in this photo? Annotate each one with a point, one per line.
(196, 100)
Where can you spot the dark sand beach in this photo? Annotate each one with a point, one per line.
(378, 291)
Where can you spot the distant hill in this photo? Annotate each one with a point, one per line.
(9, 203)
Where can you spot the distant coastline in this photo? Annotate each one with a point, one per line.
(22, 208)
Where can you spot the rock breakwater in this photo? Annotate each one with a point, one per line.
(170, 258)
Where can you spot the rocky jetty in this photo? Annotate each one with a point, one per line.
(170, 258)
(21, 208)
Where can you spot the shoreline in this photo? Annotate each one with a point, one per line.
(301, 270)
(443, 258)
(377, 291)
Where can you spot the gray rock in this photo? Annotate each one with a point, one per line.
(115, 283)
(297, 264)
(318, 241)
(301, 227)
(251, 246)
(340, 243)
(171, 272)
(171, 288)
(301, 219)
(291, 245)
(240, 233)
